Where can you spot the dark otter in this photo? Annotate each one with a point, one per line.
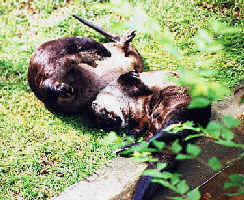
(66, 74)
(145, 102)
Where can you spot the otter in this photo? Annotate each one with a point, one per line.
(144, 104)
(66, 74)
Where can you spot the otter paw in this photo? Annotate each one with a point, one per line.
(133, 75)
(64, 90)
(129, 36)
(130, 77)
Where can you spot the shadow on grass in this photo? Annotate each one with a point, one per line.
(82, 121)
(13, 79)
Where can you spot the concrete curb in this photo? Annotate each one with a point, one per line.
(114, 182)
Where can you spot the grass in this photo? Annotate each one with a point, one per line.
(42, 153)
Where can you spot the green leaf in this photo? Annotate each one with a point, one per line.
(183, 157)
(193, 195)
(167, 175)
(182, 187)
(214, 163)
(189, 125)
(205, 42)
(153, 173)
(237, 178)
(199, 102)
(176, 198)
(167, 40)
(230, 185)
(240, 192)
(229, 143)
(111, 138)
(214, 129)
(205, 36)
(220, 28)
(189, 137)
(143, 157)
(227, 134)
(164, 183)
(119, 26)
(230, 122)
(173, 128)
(159, 145)
(193, 149)
(176, 147)
(175, 178)
(141, 147)
(161, 166)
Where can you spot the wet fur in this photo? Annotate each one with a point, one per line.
(144, 104)
(66, 74)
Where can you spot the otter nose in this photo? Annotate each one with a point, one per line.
(94, 104)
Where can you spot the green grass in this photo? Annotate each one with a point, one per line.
(41, 153)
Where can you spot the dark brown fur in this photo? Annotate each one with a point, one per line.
(144, 102)
(66, 74)
(147, 103)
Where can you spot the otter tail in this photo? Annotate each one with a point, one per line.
(112, 37)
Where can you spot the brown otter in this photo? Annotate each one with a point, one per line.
(66, 74)
(145, 102)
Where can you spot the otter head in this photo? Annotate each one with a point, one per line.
(109, 112)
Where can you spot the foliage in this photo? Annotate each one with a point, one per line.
(237, 181)
(203, 92)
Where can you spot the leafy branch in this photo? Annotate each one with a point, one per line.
(202, 90)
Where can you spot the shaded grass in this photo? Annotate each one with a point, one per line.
(41, 153)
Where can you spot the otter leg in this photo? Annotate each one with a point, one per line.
(131, 77)
(133, 84)
(125, 41)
